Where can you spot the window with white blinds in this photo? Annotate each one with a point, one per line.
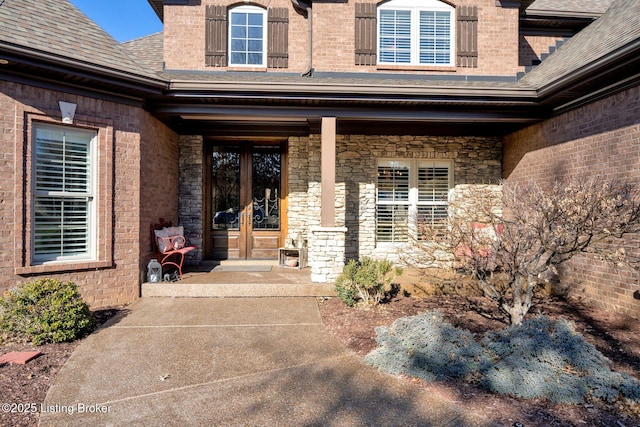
(410, 190)
(62, 193)
(415, 32)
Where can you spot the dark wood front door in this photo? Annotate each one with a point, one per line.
(246, 201)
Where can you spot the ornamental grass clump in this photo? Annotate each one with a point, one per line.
(44, 311)
(541, 358)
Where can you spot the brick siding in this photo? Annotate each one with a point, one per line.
(600, 138)
(125, 207)
(333, 38)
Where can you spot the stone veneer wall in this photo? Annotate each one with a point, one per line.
(476, 160)
(190, 186)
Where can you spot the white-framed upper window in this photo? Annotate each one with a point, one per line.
(248, 36)
(411, 190)
(63, 190)
(416, 32)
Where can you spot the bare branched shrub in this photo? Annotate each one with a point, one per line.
(525, 231)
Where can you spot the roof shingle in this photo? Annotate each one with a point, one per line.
(58, 28)
(618, 27)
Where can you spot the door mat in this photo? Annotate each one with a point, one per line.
(243, 268)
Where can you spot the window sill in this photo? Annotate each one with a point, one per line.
(391, 67)
(55, 267)
(249, 69)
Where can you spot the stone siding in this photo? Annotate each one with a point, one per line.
(600, 138)
(476, 160)
(191, 184)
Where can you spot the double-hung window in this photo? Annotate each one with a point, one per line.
(247, 36)
(409, 191)
(63, 194)
(416, 32)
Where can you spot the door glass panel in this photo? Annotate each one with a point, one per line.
(225, 188)
(266, 187)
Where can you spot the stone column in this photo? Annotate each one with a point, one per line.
(190, 199)
(326, 253)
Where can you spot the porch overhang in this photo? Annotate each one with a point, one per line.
(292, 107)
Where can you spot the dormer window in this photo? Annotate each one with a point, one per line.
(416, 32)
(247, 36)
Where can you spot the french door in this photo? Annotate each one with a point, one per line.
(245, 200)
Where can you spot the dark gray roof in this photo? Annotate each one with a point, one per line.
(617, 28)
(147, 50)
(594, 7)
(58, 28)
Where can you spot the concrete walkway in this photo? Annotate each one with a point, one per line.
(231, 362)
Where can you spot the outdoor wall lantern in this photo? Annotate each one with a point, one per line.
(68, 110)
(154, 271)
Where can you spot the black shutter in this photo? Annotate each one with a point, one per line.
(278, 32)
(366, 34)
(467, 43)
(216, 37)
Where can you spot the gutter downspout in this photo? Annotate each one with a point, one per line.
(304, 8)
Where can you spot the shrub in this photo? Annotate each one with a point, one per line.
(547, 358)
(427, 347)
(45, 311)
(365, 281)
(541, 358)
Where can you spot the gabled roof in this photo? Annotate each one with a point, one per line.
(59, 28)
(575, 8)
(53, 35)
(615, 33)
(147, 50)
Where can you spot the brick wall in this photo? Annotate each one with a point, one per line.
(333, 38)
(184, 35)
(600, 138)
(158, 182)
(532, 47)
(476, 160)
(114, 277)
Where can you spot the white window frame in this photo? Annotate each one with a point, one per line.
(88, 196)
(413, 201)
(248, 9)
(415, 7)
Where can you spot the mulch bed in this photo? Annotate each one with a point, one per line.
(616, 336)
(24, 387)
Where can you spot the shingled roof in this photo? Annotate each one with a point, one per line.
(617, 29)
(565, 7)
(147, 50)
(57, 28)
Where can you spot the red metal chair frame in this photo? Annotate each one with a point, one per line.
(164, 257)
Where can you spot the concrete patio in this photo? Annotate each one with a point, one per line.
(249, 280)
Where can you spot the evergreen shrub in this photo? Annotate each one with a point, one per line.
(365, 281)
(541, 358)
(427, 347)
(44, 311)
